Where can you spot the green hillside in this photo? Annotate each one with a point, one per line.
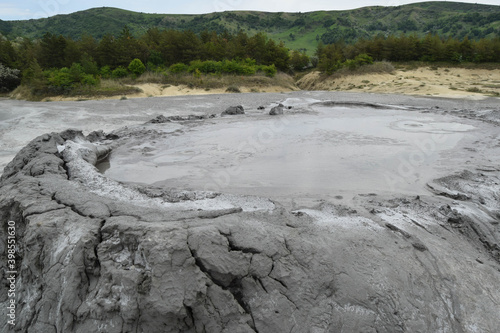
(297, 30)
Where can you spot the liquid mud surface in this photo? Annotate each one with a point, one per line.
(314, 150)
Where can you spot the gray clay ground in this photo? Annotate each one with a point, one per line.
(367, 213)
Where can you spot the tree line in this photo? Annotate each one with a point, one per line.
(156, 47)
(404, 48)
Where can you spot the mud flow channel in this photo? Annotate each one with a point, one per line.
(326, 150)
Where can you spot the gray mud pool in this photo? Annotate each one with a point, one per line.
(315, 149)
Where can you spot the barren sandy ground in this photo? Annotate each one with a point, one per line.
(154, 89)
(443, 82)
(162, 90)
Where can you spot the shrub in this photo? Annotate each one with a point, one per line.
(59, 78)
(155, 58)
(76, 72)
(105, 72)
(206, 67)
(358, 61)
(89, 80)
(178, 68)
(9, 78)
(119, 72)
(211, 66)
(229, 66)
(233, 89)
(136, 67)
(350, 63)
(247, 70)
(151, 67)
(363, 59)
(474, 90)
(34, 78)
(237, 67)
(331, 65)
(299, 60)
(269, 70)
(89, 66)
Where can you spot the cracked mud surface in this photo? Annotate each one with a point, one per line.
(99, 255)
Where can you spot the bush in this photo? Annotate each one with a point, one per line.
(119, 72)
(233, 89)
(363, 59)
(151, 67)
(76, 72)
(331, 65)
(474, 90)
(155, 58)
(197, 73)
(205, 67)
(299, 60)
(238, 67)
(89, 80)
(89, 66)
(178, 68)
(360, 60)
(9, 78)
(61, 81)
(59, 78)
(136, 67)
(269, 70)
(105, 72)
(34, 78)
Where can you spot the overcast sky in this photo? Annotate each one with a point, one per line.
(23, 9)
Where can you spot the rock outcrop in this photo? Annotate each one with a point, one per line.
(95, 255)
(277, 110)
(233, 110)
(163, 119)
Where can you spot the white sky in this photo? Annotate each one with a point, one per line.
(24, 9)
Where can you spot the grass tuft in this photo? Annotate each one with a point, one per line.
(233, 89)
(474, 90)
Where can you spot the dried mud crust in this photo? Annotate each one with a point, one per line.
(102, 256)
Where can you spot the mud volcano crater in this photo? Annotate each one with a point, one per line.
(333, 216)
(319, 149)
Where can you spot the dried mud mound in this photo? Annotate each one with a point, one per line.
(95, 255)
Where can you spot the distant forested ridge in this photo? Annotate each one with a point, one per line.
(299, 31)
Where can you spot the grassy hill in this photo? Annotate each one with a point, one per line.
(297, 30)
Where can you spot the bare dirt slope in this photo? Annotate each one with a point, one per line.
(443, 82)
